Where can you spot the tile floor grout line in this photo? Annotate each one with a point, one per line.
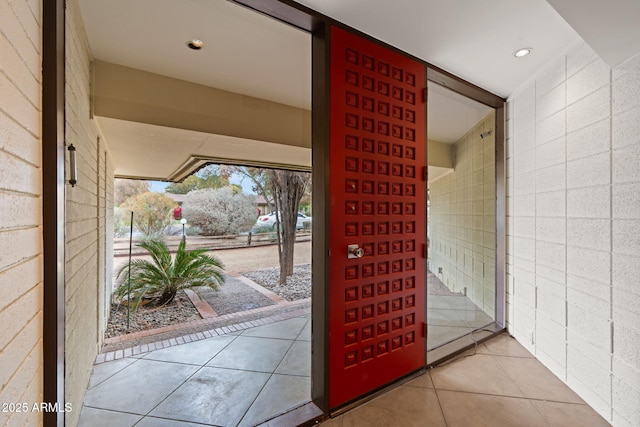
(148, 414)
(256, 398)
(511, 397)
(438, 399)
(171, 419)
(226, 368)
(275, 369)
(221, 350)
(112, 410)
(266, 382)
(135, 359)
(302, 330)
(505, 370)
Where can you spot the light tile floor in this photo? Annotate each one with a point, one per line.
(501, 385)
(248, 377)
(232, 380)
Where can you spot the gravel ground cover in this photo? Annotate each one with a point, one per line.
(232, 297)
(298, 285)
(179, 311)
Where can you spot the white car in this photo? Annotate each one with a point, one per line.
(269, 221)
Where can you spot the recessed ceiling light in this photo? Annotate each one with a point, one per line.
(195, 44)
(522, 52)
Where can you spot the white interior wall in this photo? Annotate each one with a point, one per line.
(573, 227)
(88, 222)
(21, 287)
(462, 236)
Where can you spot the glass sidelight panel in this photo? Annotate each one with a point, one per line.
(461, 285)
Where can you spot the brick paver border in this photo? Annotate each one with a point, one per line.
(145, 348)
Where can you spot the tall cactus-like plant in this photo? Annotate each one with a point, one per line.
(162, 277)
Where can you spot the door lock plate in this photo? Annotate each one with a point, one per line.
(353, 251)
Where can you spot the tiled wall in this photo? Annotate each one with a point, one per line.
(573, 227)
(21, 286)
(89, 220)
(462, 219)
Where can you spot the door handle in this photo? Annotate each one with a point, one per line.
(353, 251)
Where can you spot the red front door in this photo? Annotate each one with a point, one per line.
(377, 199)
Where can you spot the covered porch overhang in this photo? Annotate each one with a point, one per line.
(162, 128)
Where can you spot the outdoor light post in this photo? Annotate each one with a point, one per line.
(183, 221)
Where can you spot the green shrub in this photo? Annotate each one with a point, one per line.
(162, 277)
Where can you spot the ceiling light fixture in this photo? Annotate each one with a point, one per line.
(195, 44)
(520, 53)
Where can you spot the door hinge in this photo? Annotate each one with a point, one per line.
(425, 329)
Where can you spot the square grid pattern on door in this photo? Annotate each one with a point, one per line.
(378, 203)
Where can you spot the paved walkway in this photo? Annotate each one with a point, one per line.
(235, 261)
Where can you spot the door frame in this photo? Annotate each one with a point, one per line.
(53, 209)
(291, 13)
(319, 26)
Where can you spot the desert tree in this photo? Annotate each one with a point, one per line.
(287, 187)
(259, 179)
(210, 176)
(126, 188)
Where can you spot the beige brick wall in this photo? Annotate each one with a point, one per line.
(462, 219)
(21, 286)
(573, 227)
(89, 218)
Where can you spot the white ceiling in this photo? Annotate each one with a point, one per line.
(450, 116)
(611, 28)
(472, 39)
(248, 53)
(244, 52)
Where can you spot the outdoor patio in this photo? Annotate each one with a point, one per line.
(239, 375)
(247, 377)
(237, 379)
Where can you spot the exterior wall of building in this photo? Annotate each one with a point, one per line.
(462, 237)
(573, 227)
(89, 220)
(21, 287)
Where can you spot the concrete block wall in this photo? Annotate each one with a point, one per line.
(573, 227)
(462, 219)
(89, 220)
(21, 287)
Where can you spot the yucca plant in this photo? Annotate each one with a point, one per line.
(162, 277)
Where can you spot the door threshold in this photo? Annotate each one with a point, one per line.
(462, 344)
(307, 414)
